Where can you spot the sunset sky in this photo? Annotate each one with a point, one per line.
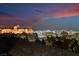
(41, 15)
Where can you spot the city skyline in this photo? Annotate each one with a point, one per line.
(40, 15)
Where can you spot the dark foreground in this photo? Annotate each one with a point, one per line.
(24, 48)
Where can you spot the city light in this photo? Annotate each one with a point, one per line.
(16, 29)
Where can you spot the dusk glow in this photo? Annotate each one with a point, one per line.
(40, 16)
(39, 29)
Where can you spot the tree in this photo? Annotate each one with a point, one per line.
(51, 40)
(62, 42)
(64, 34)
(77, 38)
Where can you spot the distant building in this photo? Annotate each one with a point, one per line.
(16, 29)
(41, 35)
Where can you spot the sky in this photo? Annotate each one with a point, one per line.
(40, 16)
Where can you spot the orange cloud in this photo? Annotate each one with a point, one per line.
(72, 11)
(60, 12)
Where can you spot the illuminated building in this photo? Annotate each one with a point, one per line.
(28, 30)
(16, 29)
